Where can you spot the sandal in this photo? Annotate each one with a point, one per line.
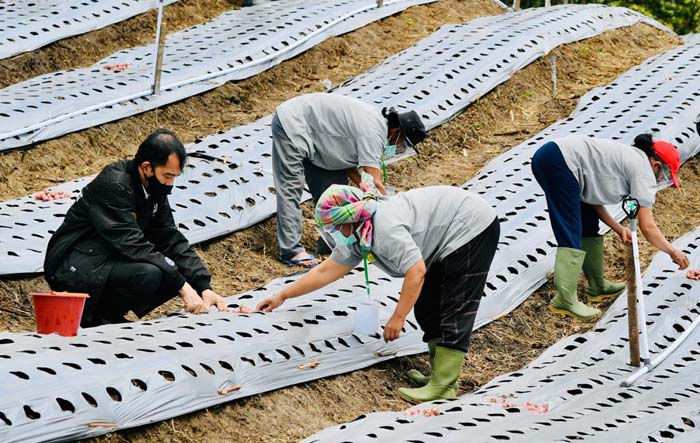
(300, 261)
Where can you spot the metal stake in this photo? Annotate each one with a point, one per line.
(158, 53)
(380, 3)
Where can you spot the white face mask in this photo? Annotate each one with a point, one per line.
(665, 175)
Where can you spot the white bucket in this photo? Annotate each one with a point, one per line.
(367, 318)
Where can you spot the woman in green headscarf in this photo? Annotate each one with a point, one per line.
(440, 239)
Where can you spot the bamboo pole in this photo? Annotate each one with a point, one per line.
(553, 63)
(632, 317)
(159, 47)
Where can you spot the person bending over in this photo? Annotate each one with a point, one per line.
(440, 239)
(579, 175)
(322, 139)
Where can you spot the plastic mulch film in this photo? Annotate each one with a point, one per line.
(573, 392)
(119, 376)
(228, 185)
(122, 376)
(236, 45)
(25, 26)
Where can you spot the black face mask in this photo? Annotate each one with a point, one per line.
(156, 189)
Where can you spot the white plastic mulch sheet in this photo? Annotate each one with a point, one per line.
(228, 185)
(25, 26)
(572, 392)
(236, 45)
(52, 388)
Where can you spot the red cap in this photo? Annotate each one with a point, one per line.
(669, 154)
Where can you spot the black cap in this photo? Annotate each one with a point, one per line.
(412, 127)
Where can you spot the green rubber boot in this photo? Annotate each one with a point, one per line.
(415, 375)
(443, 378)
(566, 271)
(599, 288)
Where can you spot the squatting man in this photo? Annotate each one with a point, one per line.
(119, 242)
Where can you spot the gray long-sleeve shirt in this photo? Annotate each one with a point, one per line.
(335, 132)
(608, 171)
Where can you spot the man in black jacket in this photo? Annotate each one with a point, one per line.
(119, 242)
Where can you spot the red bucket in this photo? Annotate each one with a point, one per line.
(58, 312)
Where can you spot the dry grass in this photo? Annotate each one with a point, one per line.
(453, 153)
(337, 59)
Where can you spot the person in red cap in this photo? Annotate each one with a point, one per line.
(579, 176)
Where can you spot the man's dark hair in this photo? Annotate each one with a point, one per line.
(158, 147)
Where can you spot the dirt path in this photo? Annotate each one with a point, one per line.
(452, 154)
(337, 59)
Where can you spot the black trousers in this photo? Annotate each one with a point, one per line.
(318, 180)
(137, 287)
(447, 306)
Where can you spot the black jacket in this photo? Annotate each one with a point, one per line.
(115, 220)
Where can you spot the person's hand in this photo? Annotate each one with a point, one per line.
(680, 258)
(193, 302)
(625, 235)
(379, 184)
(270, 303)
(211, 298)
(393, 327)
(377, 178)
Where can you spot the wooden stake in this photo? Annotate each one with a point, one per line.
(553, 62)
(632, 309)
(380, 3)
(159, 47)
(516, 5)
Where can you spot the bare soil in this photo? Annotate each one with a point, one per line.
(236, 103)
(452, 154)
